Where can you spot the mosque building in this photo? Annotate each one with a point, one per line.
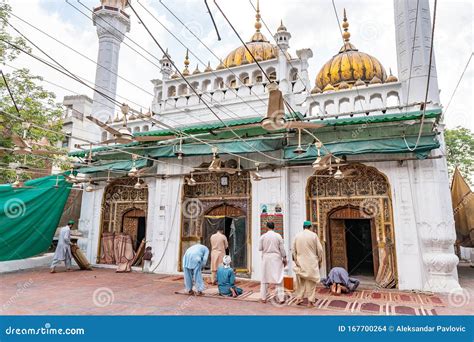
(362, 156)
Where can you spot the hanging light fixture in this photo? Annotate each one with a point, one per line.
(191, 181)
(125, 134)
(133, 171)
(299, 149)
(216, 162)
(139, 184)
(17, 183)
(179, 153)
(338, 174)
(89, 187)
(317, 162)
(256, 176)
(239, 170)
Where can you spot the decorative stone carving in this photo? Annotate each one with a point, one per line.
(367, 190)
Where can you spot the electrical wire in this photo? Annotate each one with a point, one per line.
(196, 92)
(411, 149)
(208, 49)
(457, 84)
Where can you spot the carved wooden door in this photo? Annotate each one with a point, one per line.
(338, 243)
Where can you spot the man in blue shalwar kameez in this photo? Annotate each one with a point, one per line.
(226, 279)
(193, 261)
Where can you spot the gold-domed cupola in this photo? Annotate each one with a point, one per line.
(260, 47)
(350, 66)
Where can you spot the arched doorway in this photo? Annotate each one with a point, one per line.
(124, 211)
(218, 198)
(134, 224)
(354, 218)
(232, 220)
(352, 241)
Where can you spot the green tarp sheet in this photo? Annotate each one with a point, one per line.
(29, 216)
(120, 165)
(396, 145)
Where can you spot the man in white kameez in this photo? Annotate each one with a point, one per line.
(273, 262)
(63, 250)
(307, 255)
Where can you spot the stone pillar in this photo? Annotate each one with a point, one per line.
(112, 23)
(413, 40)
(435, 224)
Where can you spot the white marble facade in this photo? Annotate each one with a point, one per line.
(423, 218)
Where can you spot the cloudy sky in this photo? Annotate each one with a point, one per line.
(312, 24)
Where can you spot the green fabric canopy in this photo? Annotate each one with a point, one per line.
(118, 165)
(396, 145)
(29, 216)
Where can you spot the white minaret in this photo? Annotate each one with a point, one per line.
(413, 33)
(112, 23)
(282, 38)
(433, 208)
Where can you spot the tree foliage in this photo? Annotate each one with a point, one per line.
(37, 106)
(460, 151)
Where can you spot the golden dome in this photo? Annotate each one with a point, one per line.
(260, 47)
(196, 71)
(208, 68)
(349, 65)
(391, 78)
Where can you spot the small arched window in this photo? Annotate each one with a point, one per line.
(183, 89)
(205, 85)
(171, 91)
(218, 83)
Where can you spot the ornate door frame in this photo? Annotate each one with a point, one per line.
(209, 194)
(368, 190)
(120, 196)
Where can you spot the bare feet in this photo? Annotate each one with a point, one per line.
(52, 270)
(333, 288)
(310, 304)
(263, 301)
(299, 301)
(338, 289)
(199, 293)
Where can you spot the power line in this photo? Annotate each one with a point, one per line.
(411, 149)
(9, 91)
(292, 111)
(79, 53)
(195, 91)
(207, 47)
(113, 27)
(115, 149)
(457, 85)
(288, 58)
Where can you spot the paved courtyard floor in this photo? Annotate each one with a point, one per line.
(104, 292)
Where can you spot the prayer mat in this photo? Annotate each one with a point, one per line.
(124, 253)
(213, 292)
(392, 296)
(80, 258)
